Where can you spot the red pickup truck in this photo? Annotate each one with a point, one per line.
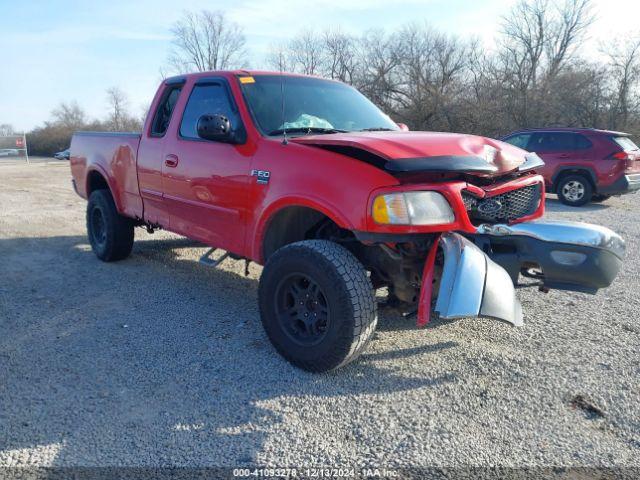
(307, 177)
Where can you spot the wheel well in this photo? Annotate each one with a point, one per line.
(293, 224)
(573, 171)
(96, 181)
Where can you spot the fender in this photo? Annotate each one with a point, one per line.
(96, 167)
(578, 167)
(320, 205)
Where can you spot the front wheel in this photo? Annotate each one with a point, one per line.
(575, 190)
(110, 234)
(317, 305)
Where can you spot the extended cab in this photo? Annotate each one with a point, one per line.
(309, 178)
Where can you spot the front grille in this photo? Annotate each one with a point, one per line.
(506, 207)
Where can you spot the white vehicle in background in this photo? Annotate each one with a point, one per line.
(9, 152)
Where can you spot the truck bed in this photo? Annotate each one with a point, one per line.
(113, 155)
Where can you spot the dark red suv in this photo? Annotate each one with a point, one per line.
(583, 164)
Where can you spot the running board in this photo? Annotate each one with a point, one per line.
(210, 262)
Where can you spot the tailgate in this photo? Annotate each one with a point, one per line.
(630, 153)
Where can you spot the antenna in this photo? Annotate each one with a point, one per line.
(284, 123)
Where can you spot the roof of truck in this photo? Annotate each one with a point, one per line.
(569, 129)
(238, 73)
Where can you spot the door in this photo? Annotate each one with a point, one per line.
(150, 159)
(559, 149)
(206, 182)
(553, 148)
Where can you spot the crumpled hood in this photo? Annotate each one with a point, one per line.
(425, 151)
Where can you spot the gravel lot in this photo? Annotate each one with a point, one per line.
(158, 360)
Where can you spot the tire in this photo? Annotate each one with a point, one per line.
(110, 234)
(600, 198)
(336, 295)
(575, 190)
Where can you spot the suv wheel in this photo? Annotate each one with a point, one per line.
(317, 304)
(575, 190)
(110, 234)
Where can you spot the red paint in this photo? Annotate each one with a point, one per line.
(601, 159)
(205, 191)
(424, 303)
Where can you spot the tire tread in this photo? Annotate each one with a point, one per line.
(357, 287)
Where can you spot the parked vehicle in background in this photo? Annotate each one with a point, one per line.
(63, 155)
(317, 184)
(583, 164)
(9, 152)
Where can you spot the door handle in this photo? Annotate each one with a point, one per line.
(171, 161)
(564, 155)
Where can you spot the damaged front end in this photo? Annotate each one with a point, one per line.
(480, 272)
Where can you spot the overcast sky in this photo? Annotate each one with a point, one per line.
(61, 50)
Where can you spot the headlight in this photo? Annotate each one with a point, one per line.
(412, 208)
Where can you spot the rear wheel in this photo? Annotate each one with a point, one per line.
(574, 190)
(110, 234)
(317, 305)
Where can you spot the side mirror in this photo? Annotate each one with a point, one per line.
(215, 127)
(403, 127)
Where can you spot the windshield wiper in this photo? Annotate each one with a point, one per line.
(280, 131)
(377, 129)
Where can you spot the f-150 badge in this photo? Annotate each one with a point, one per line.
(262, 176)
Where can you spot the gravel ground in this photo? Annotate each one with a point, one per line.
(158, 360)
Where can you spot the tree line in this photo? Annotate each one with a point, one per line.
(69, 117)
(535, 75)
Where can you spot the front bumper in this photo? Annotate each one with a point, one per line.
(480, 273)
(473, 285)
(629, 183)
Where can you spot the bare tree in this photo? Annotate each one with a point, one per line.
(525, 31)
(280, 57)
(340, 55)
(624, 64)
(69, 115)
(205, 41)
(537, 42)
(6, 130)
(380, 57)
(573, 19)
(118, 104)
(119, 118)
(306, 52)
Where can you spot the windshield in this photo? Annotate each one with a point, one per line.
(312, 105)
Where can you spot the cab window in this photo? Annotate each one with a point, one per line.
(165, 109)
(206, 99)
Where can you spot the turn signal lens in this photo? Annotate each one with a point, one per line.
(412, 208)
(391, 209)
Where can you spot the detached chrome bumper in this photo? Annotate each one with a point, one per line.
(479, 276)
(570, 255)
(473, 285)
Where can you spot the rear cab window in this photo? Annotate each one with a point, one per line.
(167, 104)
